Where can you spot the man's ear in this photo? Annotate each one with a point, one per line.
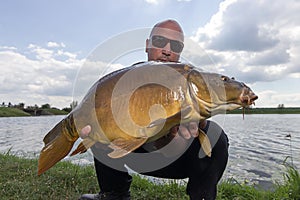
(147, 47)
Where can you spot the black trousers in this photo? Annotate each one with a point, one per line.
(203, 172)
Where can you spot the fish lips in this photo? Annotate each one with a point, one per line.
(248, 99)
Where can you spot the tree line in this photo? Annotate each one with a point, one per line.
(21, 106)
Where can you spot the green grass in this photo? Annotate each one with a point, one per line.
(19, 180)
(288, 190)
(12, 112)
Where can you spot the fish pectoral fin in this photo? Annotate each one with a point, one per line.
(83, 146)
(121, 147)
(183, 114)
(205, 143)
(156, 123)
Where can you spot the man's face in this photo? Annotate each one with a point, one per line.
(164, 45)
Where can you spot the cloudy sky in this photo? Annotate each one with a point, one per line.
(45, 45)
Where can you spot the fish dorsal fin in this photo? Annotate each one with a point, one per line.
(183, 114)
(205, 143)
(121, 147)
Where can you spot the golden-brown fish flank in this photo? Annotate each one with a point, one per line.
(141, 103)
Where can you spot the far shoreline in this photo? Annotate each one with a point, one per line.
(280, 110)
(14, 112)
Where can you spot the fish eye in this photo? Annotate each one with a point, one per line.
(225, 78)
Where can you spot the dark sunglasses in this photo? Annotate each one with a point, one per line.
(160, 42)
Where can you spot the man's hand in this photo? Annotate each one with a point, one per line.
(179, 135)
(84, 133)
(188, 130)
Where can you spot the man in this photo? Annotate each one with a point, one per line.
(165, 44)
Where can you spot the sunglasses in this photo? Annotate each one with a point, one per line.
(160, 42)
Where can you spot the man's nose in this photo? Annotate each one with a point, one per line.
(167, 49)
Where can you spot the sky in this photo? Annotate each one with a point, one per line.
(46, 46)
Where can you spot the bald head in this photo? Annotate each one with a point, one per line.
(169, 27)
(169, 24)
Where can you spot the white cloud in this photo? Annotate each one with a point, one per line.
(67, 54)
(55, 44)
(295, 75)
(154, 2)
(271, 98)
(8, 48)
(42, 53)
(45, 79)
(257, 40)
(53, 76)
(245, 25)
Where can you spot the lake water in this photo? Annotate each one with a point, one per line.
(259, 144)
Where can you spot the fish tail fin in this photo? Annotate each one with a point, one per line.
(58, 143)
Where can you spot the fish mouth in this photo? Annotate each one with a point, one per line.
(247, 97)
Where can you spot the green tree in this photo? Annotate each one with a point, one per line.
(46, 106)
(21, 106)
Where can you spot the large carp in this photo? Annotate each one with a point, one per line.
(139, 104)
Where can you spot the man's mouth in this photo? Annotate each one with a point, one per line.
(164, 59)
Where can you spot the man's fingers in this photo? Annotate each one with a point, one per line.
(193, 128)
(85, 131)
(184, 132)
(174, 130)
(189, 130)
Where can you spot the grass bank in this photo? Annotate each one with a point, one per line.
(12, 112)
(15, 112)
(19, 180)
